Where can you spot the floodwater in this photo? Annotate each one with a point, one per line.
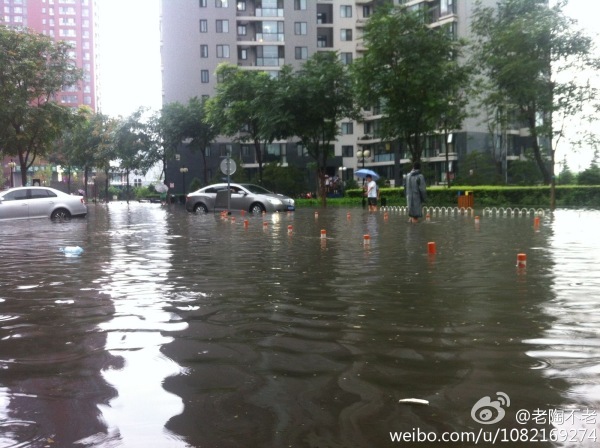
(181, 330)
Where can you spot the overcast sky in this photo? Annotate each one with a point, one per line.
(129, 57)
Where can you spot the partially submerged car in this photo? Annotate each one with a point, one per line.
(248, 197)
(40, 202)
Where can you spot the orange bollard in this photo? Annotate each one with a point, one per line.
(431, 248)
(323, 233)
(290, 228)
(476, 219)
(316, 214)
(265, 224)
(386, 215)
(367, 239)
(245, 223)
(521, 260)
(348, 215)
(536, 222)
(427, 217)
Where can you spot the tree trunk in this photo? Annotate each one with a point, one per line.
(259, 160)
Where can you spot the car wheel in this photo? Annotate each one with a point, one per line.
(200, 208)
(60, 214)
(257, 208)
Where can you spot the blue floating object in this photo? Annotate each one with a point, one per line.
(71, 251)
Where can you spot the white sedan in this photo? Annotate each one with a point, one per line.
(40, 202)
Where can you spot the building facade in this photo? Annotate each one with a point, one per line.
(65, 20)
(197, 35)
(72, 21)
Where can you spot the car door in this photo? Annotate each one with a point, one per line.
(41, 202)
(15, 205)
(238, 199)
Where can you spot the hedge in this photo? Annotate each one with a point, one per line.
(484, 196)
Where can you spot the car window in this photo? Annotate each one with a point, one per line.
(17, 195)
(210, 190)
(39, 193)
(255, 189)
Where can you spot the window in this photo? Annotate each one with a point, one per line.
(346, 58)
(301, 52)
(301, 150)
(367, 11)
(299, 5)
(346, 11)
(347, 151)
(222, 51)
(204, 76)
(223, 26)
(221, 4)
(269, 55)
(204, 26)
(242, 30)
(347, 128)
(243, 54)
(346, 35)
(446, 7)
(203, 3)
(300, 28)
(241, 5)
(203, 51)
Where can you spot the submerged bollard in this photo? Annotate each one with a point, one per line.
(431, 248)
(536, 222)
(323, 233)
(366, 239)
(521, 260)
(290, 228)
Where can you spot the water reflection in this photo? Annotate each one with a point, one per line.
(196, 330)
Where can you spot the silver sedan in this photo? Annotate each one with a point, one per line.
(248, 197)
(40, 202)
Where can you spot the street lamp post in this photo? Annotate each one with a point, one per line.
(183, 170)
(362, 154)
(12, 166)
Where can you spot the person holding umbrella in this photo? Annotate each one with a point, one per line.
(371, 193)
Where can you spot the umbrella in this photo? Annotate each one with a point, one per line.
(363, 172)
(161, 188)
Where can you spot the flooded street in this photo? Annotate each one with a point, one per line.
(181, 330)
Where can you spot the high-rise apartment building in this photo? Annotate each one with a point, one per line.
(65, 20)
(197, 35)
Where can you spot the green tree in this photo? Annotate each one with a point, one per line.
(33, 69)
(178, 123)
(414, 72)
(246, 107)
(523, 47)
(135, 145)
(566, 176)
(591, 175)
(318, 97)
